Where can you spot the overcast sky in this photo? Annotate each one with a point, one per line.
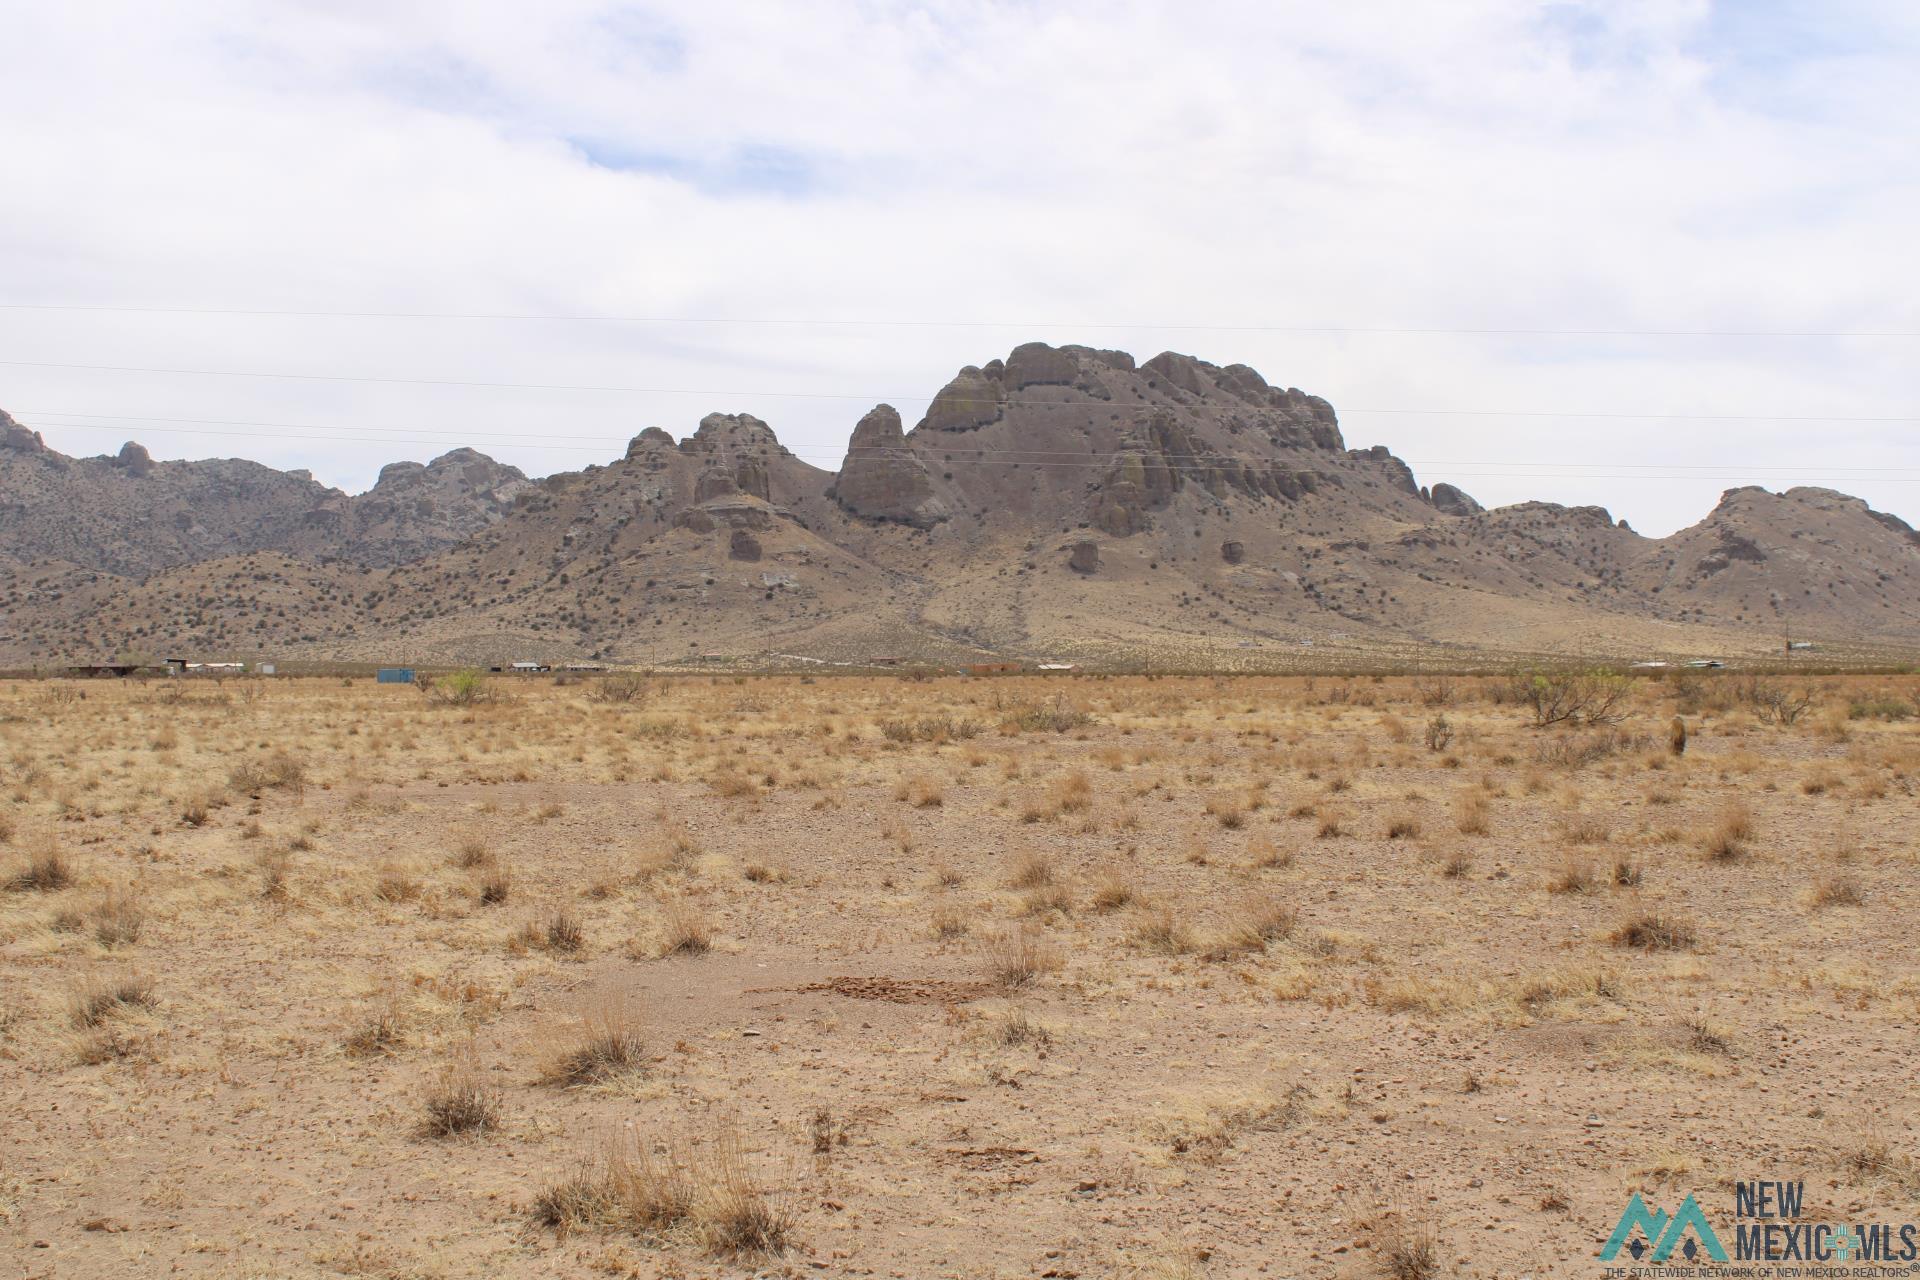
(1270, 182)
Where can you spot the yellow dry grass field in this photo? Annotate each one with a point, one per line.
(1098, 977)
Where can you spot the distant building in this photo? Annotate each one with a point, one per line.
(992, 668)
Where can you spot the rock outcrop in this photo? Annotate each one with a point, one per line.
(882, 479)
(1451, 501)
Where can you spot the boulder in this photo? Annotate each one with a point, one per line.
(1452, 501)
(743, 546)
(1084, 557)
(135, 460)
(1233, 552)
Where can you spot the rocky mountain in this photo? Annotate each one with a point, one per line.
(133, 517)
(1061, 502)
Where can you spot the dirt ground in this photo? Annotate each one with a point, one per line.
(970, 978)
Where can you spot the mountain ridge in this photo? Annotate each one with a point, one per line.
(1060, 501)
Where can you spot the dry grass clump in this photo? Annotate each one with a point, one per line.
(471, 852)
(383, 1033)
(684, 931)
(1574, 877)
(1332, 825)
(1228, 811)
(1031, 870)
(1409, 1251)
(950, 922)
(1264, 855)
(1114, 890)
(610, 1046)
(1727, 840)
(396, 884)
(1016, 1028)
(1473, 813)
(1204, 1128)
(459, 1103)
(1836, 891)
(1160, 930)
(117, 918)
(1585, 828)
(47, 871)
(564, 933)
(1655, 931)
(1258, 923)
(1457, 865)
(1015, 958)
(93, 1000)
(496, 885)
(715, 1195)
(279, 771)
(921, 792)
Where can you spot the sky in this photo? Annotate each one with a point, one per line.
(1626, 252)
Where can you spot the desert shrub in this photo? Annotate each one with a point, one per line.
(278, 771)
(1439, 733)
(1568, 696)
(620, 689)
(1879, 707)
(1055, 716)
(933, 728)
(1774, 702)
(457, 688)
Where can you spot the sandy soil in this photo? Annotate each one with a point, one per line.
(1238, 977)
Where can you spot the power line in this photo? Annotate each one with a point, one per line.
(867, 322)
(879, 398)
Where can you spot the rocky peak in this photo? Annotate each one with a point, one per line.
(134, 459)
(881, 478)
(18, 438)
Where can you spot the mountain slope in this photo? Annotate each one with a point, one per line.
(134, 517)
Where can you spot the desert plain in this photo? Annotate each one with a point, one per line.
(1089, 976)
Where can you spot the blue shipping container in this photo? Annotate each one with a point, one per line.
(396, 675)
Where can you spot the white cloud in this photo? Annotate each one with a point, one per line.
(1061, 167)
